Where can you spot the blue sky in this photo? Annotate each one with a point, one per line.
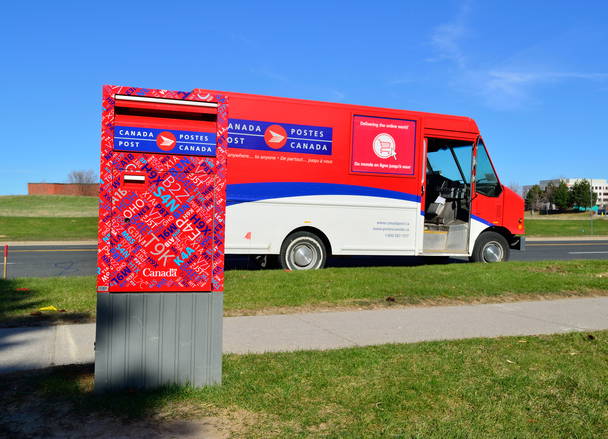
(534, 75)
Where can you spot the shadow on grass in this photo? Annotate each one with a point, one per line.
(20, 307)
(76, 384)
(59, 402)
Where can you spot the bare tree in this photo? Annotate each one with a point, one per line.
(516, 187)
(82, 177)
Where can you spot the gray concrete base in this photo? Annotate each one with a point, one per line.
(145, 340)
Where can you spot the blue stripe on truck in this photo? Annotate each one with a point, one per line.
(481, 220)
(248, 192)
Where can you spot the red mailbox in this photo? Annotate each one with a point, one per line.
(161, 238)
(162, 194)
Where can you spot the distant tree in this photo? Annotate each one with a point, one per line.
(82, 177)
(533, 198)
(581, 194)
(561, 197)
(515, 187)
(548, 195)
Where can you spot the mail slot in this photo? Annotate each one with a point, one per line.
(162, 197)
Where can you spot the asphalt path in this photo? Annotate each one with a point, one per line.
(80, 260)
(44, 346)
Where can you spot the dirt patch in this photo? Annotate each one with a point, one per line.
(59, 403)
(546, 269)
(34, 420)
(234, 422)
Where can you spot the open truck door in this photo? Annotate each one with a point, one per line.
(447, 197)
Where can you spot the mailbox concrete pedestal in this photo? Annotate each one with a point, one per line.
(146, 340)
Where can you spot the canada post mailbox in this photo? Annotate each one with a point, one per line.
(161, 237)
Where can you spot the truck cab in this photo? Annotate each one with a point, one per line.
(467, 209)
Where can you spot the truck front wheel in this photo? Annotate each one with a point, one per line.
(490, 247)
(303, 251)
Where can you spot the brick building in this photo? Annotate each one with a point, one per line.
(74, 189)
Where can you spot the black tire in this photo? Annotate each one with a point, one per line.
(490, 247)
(303, 251)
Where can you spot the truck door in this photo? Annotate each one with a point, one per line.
(487, 202)
(447, 198)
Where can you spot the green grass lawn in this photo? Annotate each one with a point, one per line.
(48, 206)
(276, 291)
(513, 387)
(47, 228)
(48, 218)
(54, 217)
(542, 227)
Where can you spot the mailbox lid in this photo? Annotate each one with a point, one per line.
(161, 233)
(146, 125)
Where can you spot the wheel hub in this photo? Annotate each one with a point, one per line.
(492, 252)
(303, 255)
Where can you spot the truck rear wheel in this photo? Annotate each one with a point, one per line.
(303, 251)
(490, 247)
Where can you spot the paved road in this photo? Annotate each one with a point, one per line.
(561, 250)
(79, 260)
(32, 348)
(45, 261)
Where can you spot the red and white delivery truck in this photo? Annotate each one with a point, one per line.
(310, 179)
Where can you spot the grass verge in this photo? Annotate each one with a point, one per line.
(546, 386)
(542, 227)
(558, 216)
(48, 206)
(277, 291)
(47, 228)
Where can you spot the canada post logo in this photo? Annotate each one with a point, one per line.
(162, 141)
(166, 141)
(272, 136)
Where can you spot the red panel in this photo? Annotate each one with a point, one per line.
(393, 146)
(513, 212)
(162, 232)
(167, 232)
(489, 209)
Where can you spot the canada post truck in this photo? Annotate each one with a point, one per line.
(311, 179)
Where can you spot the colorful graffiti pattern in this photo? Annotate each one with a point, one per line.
(166, 235)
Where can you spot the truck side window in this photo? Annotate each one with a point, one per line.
(486, 181)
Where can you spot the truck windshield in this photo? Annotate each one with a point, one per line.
(486, 181)
(451, 159)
